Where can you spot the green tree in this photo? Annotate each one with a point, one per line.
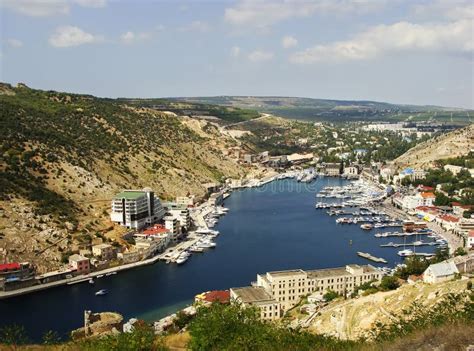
(13, 335)
(330, 295)
(389, 282)
(51, 338)
(460, 252)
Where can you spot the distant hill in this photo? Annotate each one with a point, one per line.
(456, 143)
(338, 110)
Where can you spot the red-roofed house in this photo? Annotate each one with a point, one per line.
(222, 296)
(16, 275)
(448, 222)
(422, 187)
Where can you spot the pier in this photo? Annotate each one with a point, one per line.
(371, 257)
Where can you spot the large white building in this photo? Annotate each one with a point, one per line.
(288, 287)
(136, 208)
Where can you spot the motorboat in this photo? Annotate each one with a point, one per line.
(101, 292)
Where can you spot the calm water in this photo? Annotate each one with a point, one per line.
(271, 228)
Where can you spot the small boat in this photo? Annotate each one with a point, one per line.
(100, 276)
(91, 281)
(366, 226)
(405, 253)
(101, 292)
(183, 257)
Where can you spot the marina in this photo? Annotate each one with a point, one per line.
(261, 226)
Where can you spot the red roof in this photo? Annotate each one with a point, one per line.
(9, 266)
(424, 187)
(222, 296)
(471, 233)
(449, 218)
(156, 229)
(428, 195)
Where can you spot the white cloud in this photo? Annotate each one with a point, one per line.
(264, 13)
(260, 56)
(235, 51)
(288, 42)
(68, 36)
(131, 37)
(196, 26)
(455, 37)
(44, 8)
(15, 43)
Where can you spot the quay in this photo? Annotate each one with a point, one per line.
(371, 257)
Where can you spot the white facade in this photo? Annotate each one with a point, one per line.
(440, 272)
(136, 209)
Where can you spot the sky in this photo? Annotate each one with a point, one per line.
(411, 52)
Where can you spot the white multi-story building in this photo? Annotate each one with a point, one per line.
(173, 226)
(136, 208)
(288, 287)
(258, 297)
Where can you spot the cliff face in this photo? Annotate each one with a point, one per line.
(453, 144)
(63, 157)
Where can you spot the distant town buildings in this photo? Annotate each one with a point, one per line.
(136, 208)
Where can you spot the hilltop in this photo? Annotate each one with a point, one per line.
(63, 157)
(456, 143)
(338, 110)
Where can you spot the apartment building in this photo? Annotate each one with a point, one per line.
(286, 288)
(258, 297)
(136, 208)
(104, 252)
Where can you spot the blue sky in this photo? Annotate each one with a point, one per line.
(416, 52)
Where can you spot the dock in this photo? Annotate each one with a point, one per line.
(371, 257)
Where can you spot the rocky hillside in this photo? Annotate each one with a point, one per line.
(356, 318)
(63, 157)
(452, 144)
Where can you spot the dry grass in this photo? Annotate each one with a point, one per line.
(177, 342)
(451, 337)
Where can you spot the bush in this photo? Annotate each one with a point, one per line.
(330, 295)
(389, 282)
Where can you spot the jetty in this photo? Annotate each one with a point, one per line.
(371, 257)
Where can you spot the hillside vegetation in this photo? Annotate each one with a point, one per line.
(63, 157)
(453, 144)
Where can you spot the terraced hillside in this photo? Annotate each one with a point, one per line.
(63, 156)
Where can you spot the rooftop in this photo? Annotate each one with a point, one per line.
(250, 294)
(328, 272)
(77, 257)
(287, 273)
(443, 269)
(9, 266)
(130, 195)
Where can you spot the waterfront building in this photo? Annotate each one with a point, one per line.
(16, 275)
(287, 288)
(440, 272)
(181, 213)
(351, 171)
(332, 169)
(104, 252)
(136, 208)
(257, 296)
(79, 263)
(173, 227)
